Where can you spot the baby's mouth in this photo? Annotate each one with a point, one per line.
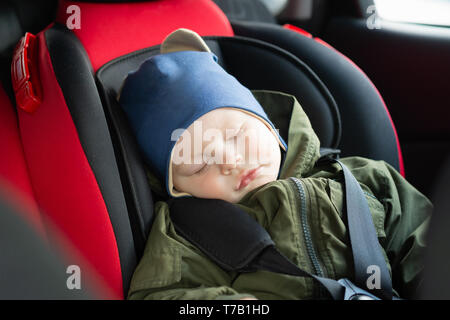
(247, 177)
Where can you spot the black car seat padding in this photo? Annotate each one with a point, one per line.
(247, 10)
(367, 129)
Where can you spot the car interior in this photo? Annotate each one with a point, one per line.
(71, 176)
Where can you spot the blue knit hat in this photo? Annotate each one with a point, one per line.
(170, 91)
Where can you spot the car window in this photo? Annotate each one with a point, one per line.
(431, 12)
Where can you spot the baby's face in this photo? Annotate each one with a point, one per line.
(225, 154)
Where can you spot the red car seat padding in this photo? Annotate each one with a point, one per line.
(64, 184)
(13, 167)
(110, 30)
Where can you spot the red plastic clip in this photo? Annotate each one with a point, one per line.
(24, 74)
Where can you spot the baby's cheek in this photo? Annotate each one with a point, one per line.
(219, 188)
(268, 151)
(264, 155)
(211, 187)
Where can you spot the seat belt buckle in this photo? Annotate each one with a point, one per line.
(353, 292)
(24, 74)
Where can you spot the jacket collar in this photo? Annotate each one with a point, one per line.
(295, 128)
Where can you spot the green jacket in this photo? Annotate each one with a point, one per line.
(303, 217)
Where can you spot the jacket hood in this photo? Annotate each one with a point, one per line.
(294, 127)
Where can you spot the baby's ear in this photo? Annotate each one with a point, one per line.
(183, 40)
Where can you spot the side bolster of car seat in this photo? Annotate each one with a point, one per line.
(110, 30)
(66, 139)
(367, 128)
(30, 269)
(37, 266)
(72, 164)
(13, 167)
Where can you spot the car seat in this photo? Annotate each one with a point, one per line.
(84, 165)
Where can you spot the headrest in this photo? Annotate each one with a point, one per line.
(243, 58)
(115, 1)
(109, 30)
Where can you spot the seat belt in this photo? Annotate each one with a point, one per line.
(366, 249)
(218, 227)
(363, 237)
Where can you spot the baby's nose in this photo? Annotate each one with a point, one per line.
(230, 164)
